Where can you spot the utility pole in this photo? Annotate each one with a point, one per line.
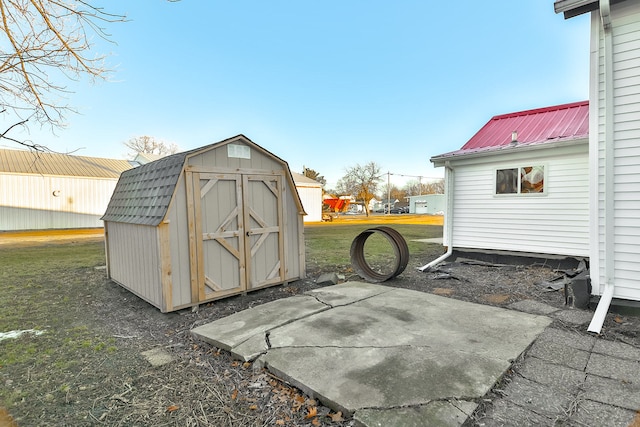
(388, 193)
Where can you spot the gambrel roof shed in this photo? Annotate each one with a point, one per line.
(205, 224)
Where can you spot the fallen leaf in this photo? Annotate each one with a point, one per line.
(279, 422)
(235, 364)
(253, 407)
(312, 412)
(234, 394)
(336, 418)
(618, 319)
(315, 422)
(173, 408)
(245, 365)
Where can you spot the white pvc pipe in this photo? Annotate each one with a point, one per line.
(601, 310)
(449, 228)
(438, 260)
(609, 274)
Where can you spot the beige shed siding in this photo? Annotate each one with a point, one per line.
(217, 158)
(134, 259)
(554, 223)
(27, 202)
(293, 238)
(626, 191)
(179, 241)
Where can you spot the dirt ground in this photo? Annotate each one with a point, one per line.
(202, 385)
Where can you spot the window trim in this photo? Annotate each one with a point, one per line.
(519, 168)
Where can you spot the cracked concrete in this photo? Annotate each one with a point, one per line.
(387, 356)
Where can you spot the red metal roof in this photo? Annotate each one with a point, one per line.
(549, 124)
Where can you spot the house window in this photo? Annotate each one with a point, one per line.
(507, 181)
(523, 180)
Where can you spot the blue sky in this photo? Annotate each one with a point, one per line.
(325, 84)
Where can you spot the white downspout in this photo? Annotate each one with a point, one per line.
(449, 228)
(609, 226)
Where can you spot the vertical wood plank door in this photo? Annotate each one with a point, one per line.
(262, 200)
(222, 253)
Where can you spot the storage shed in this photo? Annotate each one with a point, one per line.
(205, 224)
(42, 190)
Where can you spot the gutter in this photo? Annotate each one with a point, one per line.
(609, 225)
(449, 223)
(440, 160)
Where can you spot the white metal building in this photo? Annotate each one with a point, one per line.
(431, 204)
(310, 192)
(40, 190)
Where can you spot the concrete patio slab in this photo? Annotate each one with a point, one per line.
(239, 328)
(368, 350)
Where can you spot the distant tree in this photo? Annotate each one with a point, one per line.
(44, 43)
(310, 173)
(392, 192)
(361, 182)
(150, 145)
(434, 187)
(413, 188)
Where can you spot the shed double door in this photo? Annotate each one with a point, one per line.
(239, 239)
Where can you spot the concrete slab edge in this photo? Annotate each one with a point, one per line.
(448, 412)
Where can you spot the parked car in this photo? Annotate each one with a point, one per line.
(400, 210)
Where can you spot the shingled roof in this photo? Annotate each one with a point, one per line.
(142, 195)
(558, 123)
(56, 164)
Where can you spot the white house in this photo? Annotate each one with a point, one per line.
(521, 184)
(40, 190)
(614, 146)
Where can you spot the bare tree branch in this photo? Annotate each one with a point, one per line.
(150, 145)
(47, 42)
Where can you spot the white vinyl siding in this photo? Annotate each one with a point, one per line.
(556, 222)
(626, 161)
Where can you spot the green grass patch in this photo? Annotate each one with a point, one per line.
(331, 244)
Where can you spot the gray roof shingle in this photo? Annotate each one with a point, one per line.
(143, 194)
